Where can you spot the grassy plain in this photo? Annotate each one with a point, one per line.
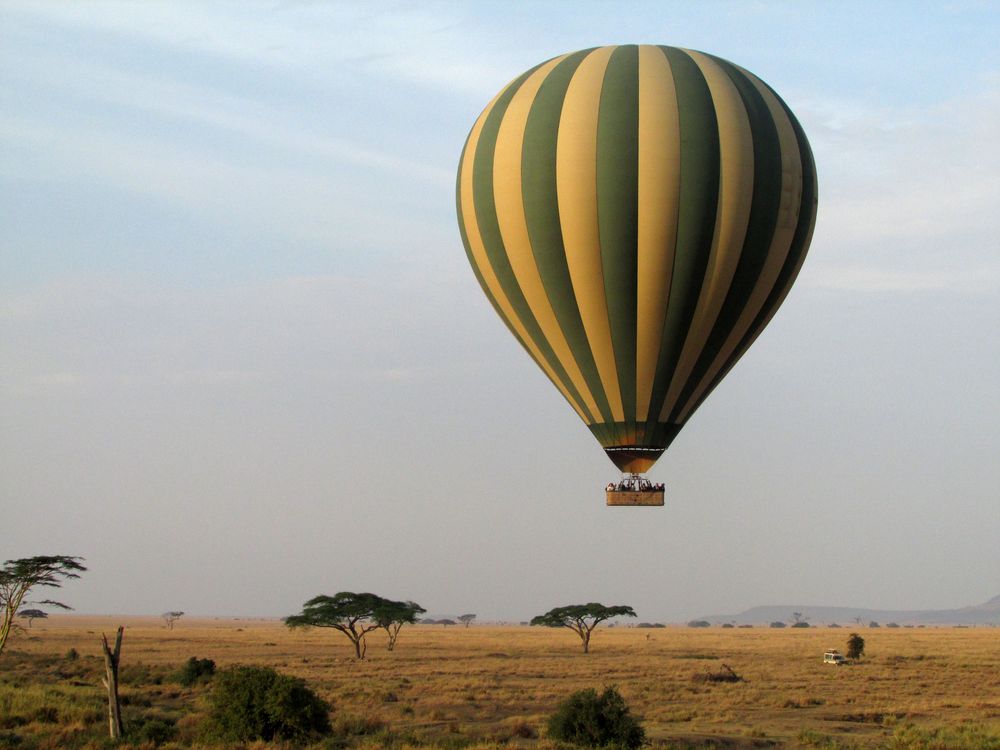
(491, 686)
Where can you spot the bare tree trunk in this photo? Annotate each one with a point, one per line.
(11, 596)
(110, 681)
(360, 646)
(586, 642)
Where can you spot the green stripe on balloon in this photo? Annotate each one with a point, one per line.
(800, 244)
(698, 205)
(475, 268)
(618, 209)
(541, 212)
(760, 228)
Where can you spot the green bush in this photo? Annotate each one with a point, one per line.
(155, 730)
(586, 718)
(195, 671)
(258, 703)
(855, 646)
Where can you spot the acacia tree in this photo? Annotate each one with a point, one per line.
(171, 617)
(18, 577)
(352, 614)
(32, 614)
(855, 646)
(466, 619)
(582, 618)
(392, 616)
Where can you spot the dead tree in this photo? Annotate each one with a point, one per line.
(110, 681)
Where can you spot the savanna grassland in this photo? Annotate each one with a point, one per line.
(485, 686)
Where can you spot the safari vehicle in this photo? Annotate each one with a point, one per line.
(834, 657)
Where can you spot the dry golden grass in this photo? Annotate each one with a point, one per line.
(486, 682)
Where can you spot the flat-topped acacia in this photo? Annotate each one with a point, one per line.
(582, 618)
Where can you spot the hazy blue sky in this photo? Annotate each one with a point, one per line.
(243, 359)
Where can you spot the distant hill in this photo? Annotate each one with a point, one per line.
(987, 613)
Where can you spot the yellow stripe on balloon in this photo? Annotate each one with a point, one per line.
(659, 188)
(576, 190)
(514, 227)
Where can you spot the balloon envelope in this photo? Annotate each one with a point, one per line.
(636, 215)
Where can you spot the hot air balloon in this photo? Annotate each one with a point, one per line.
(636, 215)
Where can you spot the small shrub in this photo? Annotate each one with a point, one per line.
(777, 624)
(155, 730)
(726, 674)
(592, 720)
(258, 703)
(195, 671)
(72, 655)
(803, 703)
(699, 624)
(855, 646)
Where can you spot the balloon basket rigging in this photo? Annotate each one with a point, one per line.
(634, 490)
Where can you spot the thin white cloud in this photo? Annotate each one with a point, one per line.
(299, 204)
(232, 115)
(908, 199)
(431, 45)
(98, 332)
